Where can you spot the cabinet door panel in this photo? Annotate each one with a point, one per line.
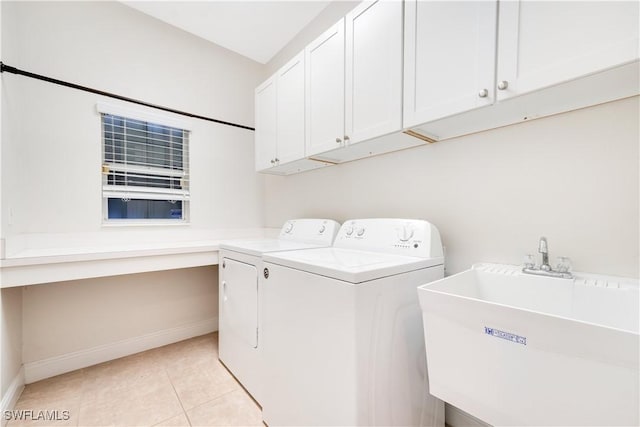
(324, 65)
(290, 116)
(449, 58)
(265, 134)
(542, 43)
(373, 80)
(239, 302)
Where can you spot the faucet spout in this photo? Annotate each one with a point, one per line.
(543, 248)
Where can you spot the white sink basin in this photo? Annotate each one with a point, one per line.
(516, 349)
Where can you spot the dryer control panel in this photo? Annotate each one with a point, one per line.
(308, 230)
(410, 237)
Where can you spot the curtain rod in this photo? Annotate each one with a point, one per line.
(14, 70)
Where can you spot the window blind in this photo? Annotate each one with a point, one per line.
(143, 160)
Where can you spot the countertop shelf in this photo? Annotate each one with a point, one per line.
(34, 256)
(41, 258)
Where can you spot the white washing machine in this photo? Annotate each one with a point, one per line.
(342, 327)
(240, 294)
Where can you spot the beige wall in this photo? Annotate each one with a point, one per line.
(10, 336)
(131, 306)
(115, 48)
(10, 307)
(572, 178)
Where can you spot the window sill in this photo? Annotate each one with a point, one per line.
(143, 223)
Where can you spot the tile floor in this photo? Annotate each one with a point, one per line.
(182, 384)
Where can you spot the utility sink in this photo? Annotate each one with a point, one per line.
(517, 349)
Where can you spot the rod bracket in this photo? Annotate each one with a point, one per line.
(7, 68)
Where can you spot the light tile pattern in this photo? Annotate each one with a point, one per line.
(182, 384)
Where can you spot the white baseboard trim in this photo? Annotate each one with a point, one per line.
(13, 393)
(455, 417)
(46, 368)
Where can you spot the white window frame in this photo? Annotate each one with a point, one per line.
(144, 192)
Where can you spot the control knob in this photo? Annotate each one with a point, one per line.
(349, 230)
(360, 232)
(405, 233)
(288, 227)
(322, 228)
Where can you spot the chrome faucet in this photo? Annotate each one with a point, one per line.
(543, 248)
(545, 269)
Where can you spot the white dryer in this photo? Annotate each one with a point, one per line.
(342, 327)
(240, 294)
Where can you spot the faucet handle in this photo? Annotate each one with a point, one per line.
(529, 261)
(563, 264)
(543, 247)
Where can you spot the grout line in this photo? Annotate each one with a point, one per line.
(184, 411)
(83, 373)
(172, 418)
(205, 403)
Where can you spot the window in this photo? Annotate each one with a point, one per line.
(145, 170)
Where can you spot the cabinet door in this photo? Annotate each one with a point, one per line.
(239, 302)
(290, 113)
(324, 65)
(265, 134)
(450, 49)
(373, 79)
(542, 43)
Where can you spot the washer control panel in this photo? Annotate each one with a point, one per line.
(391, 235)
(320, 231)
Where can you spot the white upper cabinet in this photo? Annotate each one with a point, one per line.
(324, 60)
(550, 56)
(290, 110)
(280, 122)
(543, 43)
(266, 124)
(354, 85)
(373, 79)
(450, 53)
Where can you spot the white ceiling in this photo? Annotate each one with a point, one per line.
(255, 29)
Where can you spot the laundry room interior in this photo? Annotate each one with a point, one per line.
(405, 187)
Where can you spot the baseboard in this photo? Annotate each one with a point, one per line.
(455, 417)
(46, 368)
(12, 395)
